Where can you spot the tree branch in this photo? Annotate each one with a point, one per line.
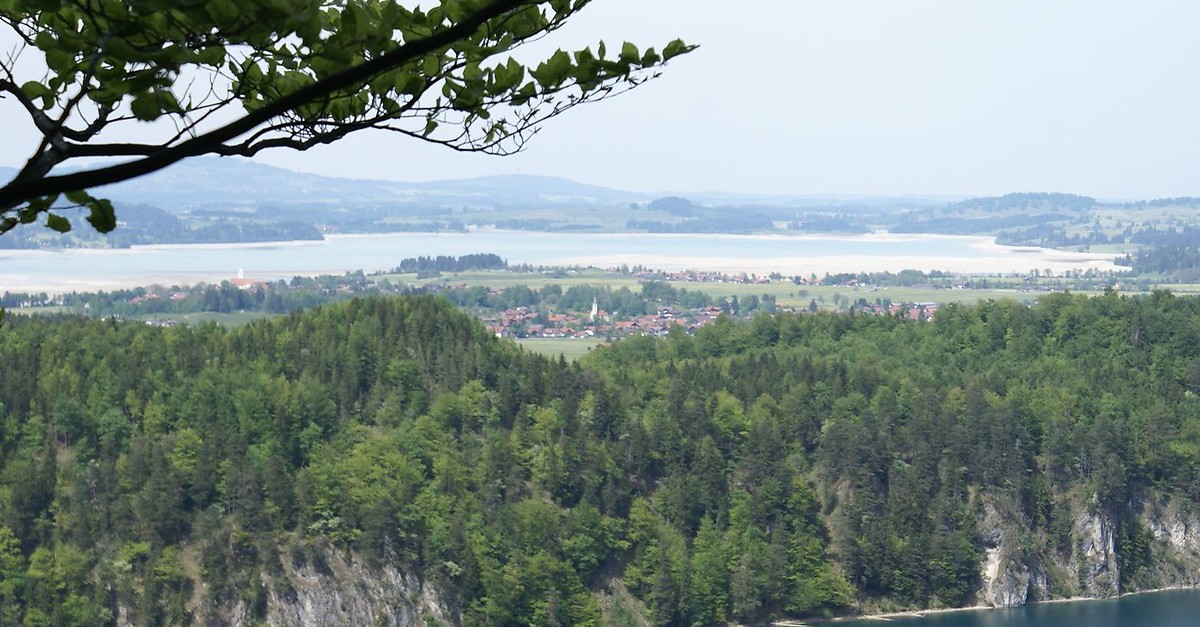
(19, 191)
(90, 130)
(40, 119)
(112, 150)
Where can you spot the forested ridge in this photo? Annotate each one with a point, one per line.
(789, 466)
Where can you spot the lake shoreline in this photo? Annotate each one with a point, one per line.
(60, 271)
(889, 616)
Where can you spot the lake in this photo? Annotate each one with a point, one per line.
(81, 270)
(1172, 608)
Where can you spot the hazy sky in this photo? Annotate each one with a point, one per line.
(956, 97)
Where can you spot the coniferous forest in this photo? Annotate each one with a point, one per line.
(790, 466)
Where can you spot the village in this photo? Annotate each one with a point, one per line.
(658, 309)
(529, 322)
(524, 322)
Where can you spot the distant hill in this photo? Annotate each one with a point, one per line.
(844, 203)
(519, 187)
(225, 183)
(214, 182)
(1027, 202)
(213, 199)
(230, 182)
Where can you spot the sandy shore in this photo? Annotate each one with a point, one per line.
(884, 617)
(889, 616)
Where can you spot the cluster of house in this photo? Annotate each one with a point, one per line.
(918, 312)
(174, 296)
(529, 322)
(522, 322)
(693, 276)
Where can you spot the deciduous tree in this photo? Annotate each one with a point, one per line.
(235, 78)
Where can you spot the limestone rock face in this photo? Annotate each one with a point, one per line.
(335, 589)
(1008, 580)
(1017, 560)
(1096, 556)
(1179, 532)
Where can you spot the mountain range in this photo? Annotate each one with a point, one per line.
(224, 183)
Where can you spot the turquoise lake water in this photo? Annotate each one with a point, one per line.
(1173, 608)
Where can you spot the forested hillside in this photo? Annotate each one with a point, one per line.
(791, 466)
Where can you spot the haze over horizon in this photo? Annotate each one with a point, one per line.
(795, 97)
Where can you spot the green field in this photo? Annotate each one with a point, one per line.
(41, 311)
(800, 295)
(536, 280)
(1182, 289)
(569, 348)
(224, 319)
(785, 292)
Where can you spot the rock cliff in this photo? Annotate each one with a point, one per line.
(1095, 556)
(1018, 562)
(326, 588)
(1177, 532)
(1010, 577)
(342, 591)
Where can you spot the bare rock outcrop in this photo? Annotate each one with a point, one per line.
(1009, 577)
(1178, 531)
(1095, 558)
(333, 588)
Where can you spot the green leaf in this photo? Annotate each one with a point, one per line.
(79, 197)
(629, 53)
(102, 217)
(223, 11)
(167, 102)
(364, 19)
(676, 48)
(58, 223)
(351, 25)
(35, 90)
(60, 60)
(472, 72)
(552, 71)
(211, 55)
(409, 84)
(524, 95)
(145, 107)
(109, 94)
(29, 213)
(432, 65)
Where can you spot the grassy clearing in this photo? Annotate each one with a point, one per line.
(785, 293)
(224, 319)
(533, 280)
(1189, 289)
(43, 311)
(916, 295)
(569, 348)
